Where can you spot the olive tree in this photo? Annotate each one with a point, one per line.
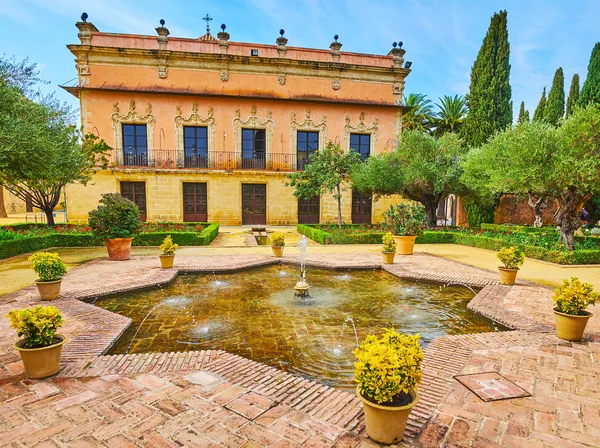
(423, 168)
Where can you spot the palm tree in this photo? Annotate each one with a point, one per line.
(451, 115)
(420, 117)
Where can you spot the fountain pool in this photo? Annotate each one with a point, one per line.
(254, 314)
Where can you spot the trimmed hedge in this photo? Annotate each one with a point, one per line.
(512, 229)
(24, 225)
(12, 248)
(450, 237)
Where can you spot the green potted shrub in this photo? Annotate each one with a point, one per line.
(277, 243)
(406, 222)
(388, 370)
(512, 258)
(570, 300)
(41, 347)
(168, 249)
(50, 270)
(116, 221)
(389, 248)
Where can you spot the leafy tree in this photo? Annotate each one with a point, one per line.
(523, 114)
(421, 115)
(540, 110)
(328, 171)
(544, 161)
(451, 114)
(489, 98)
(40, 151)
(555, 108)
(573, 95)
(423, 168)
(590, 92)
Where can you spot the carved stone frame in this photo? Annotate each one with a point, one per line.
(253, 122)
(194, 120)
(361, 128)
(307, 125)
(132, 117)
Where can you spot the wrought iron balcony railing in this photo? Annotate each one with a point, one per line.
(216, 160)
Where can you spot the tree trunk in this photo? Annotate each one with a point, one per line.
(339, 204)
(567, 215)
(49, 216)
(538, 204)
(2, 208)
(431, 202)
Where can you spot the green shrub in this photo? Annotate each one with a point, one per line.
(168, 247)
(573, 297)
(38, 324)
(478, 214)
(277, 239)
(406, 219)
(48, 266)
(511, 257)
(389, 243)
(115, 217)
(315, 234)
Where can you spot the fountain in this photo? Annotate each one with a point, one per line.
(302, 285)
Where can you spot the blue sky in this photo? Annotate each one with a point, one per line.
(441, 37)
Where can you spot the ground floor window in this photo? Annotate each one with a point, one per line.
(135, 192)
(195, 202)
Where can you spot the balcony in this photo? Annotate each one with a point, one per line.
(212, 160)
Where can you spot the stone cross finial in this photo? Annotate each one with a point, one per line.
(207, 19)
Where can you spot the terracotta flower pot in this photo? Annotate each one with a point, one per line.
(569, 326)
(388, 257)
(119, 249)
(386, 424)
(405, 245)
(507, 276)
(49, 290)
(41, 362)
(166, 261)
(277, 251)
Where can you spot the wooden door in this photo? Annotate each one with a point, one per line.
(309, 210)
(254, 204)
(195, 202)
(136, 192)
(361, 208)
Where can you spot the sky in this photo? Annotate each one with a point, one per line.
(441, 37)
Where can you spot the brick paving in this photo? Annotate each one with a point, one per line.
(219, 399)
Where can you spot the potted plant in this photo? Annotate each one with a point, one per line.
(168, 252)
(389, 248)
(406, 222)
(41, 347)
(571, 299)
(387, 370)
(116, 221)
(50, 270)
(512, 258)
(277, 243)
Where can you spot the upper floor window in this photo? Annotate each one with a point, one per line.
(306, 143)
(361, 143)
(195, 144)
(135, 144)
(253, 148)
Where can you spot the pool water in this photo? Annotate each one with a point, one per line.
(254, 314)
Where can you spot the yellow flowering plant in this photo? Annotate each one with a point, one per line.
(389, 243)
(48, 266)
(388, 365)
(511, 257)
(573, 297)
(38, 324)
(168, 247)
(277, 239)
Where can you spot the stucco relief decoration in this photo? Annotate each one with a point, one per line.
(398, 89)
(132, 117)
(195, 119)
(162, 67)
(253, 122)
(82, 64)
(281, 79)
(336, 83)
(224, 75)
(307, 125)
(361, 128)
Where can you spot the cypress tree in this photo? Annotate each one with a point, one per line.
(523, 114)
(573, 95)
(489, 94)
(590, 92)
(538, 115)
(555, 108)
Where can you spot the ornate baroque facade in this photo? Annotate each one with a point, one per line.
(207, 128)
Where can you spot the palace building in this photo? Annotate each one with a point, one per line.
(206, 129)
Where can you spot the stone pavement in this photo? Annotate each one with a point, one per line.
(219, 399)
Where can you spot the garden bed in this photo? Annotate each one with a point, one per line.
(542, 245)
(17, 239)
